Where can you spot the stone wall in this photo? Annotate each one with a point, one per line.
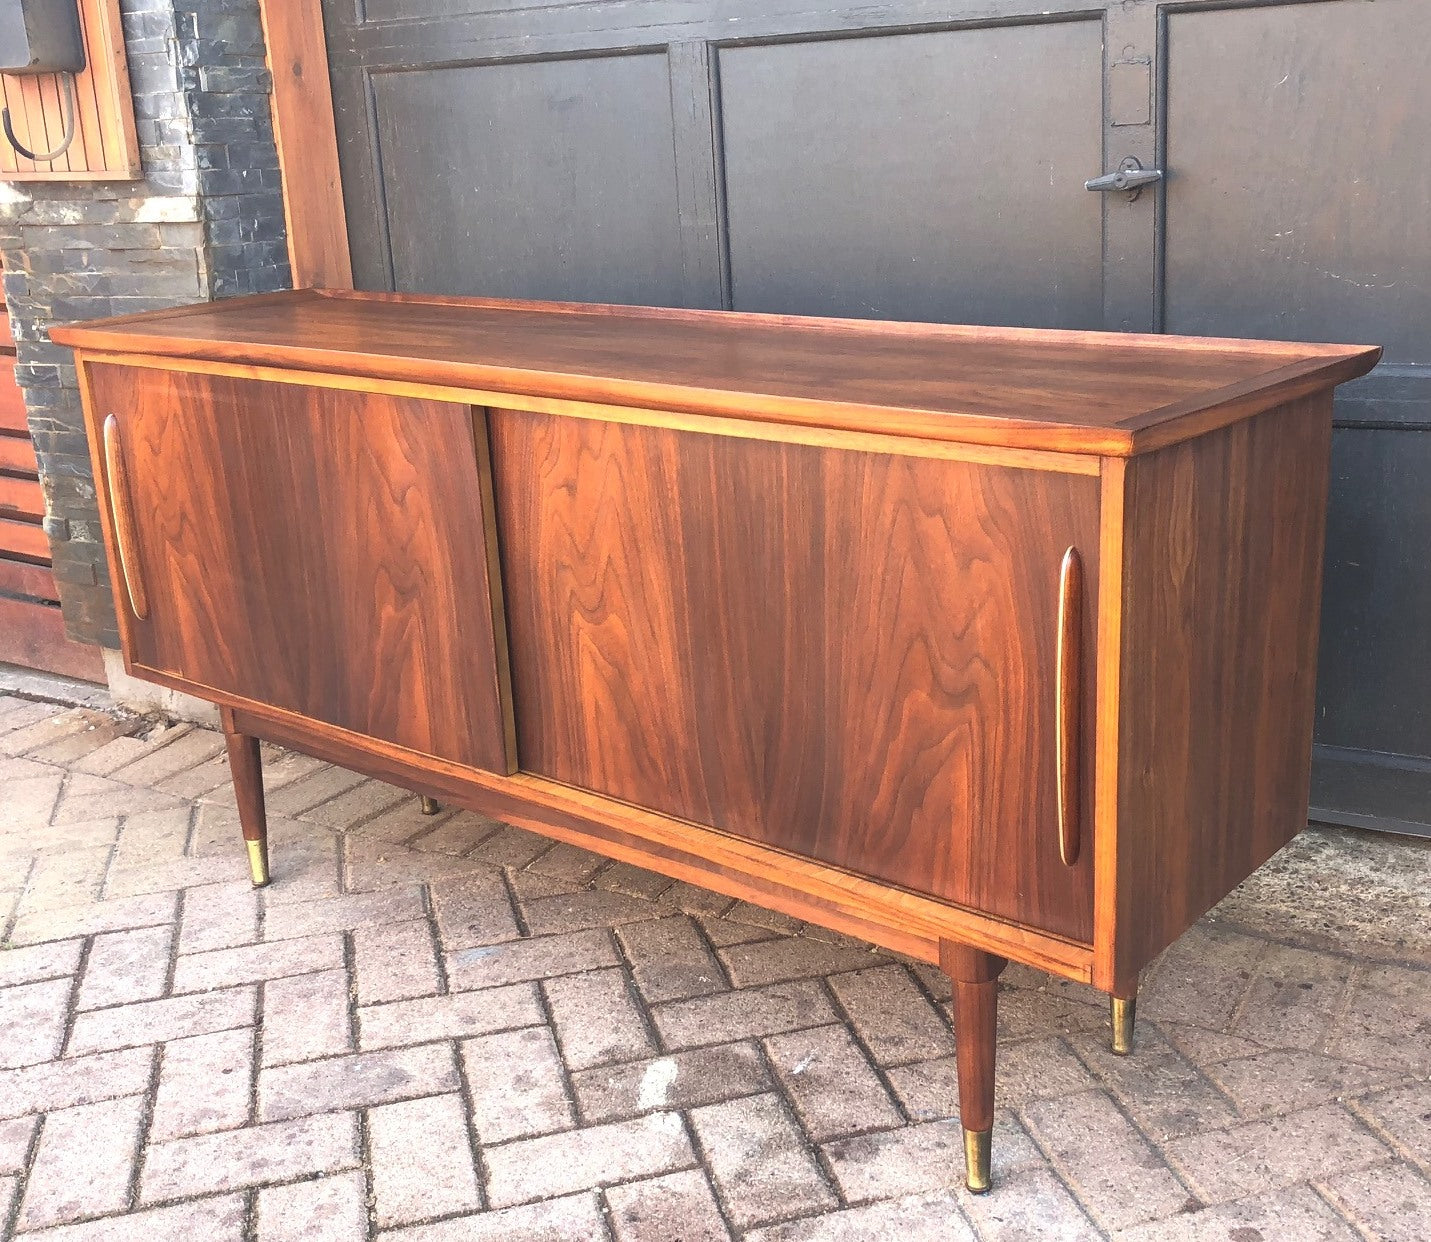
(205, 222)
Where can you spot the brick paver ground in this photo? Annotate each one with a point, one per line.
(429, 1030)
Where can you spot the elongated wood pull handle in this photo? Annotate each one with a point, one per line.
(1070, 681)
(124, 536)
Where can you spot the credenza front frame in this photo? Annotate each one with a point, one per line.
(898, 919)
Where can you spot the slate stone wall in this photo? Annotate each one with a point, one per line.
(205, 222)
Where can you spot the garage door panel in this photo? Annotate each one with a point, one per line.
(930, 175)
(558, 181)
(1296, 208)
(1267, 176)
(1378, 594)
(416, 10)
(378, 29)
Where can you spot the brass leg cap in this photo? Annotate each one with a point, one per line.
(978, 1145)
(429, 805)
(258, 862)
(1122, 1014)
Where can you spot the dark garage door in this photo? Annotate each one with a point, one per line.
(926, 161)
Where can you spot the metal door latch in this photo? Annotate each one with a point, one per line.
(1131, 176)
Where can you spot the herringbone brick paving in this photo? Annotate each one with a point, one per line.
(440, 1029)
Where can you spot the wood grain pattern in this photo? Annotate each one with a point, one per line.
(1018, 388)
(848, 656)
(307, 142)
(1223, 542)
(741, 428)
(757, 607)
(106, 144)
(321, 551)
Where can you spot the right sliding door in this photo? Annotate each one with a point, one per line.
(851, 655)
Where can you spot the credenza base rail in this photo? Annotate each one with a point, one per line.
(905, 922)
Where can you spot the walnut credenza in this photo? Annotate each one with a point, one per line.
(976, 643)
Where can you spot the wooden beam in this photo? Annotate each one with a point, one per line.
(307, 138)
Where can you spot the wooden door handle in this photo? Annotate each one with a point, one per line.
(124, 535)
(1069, 679)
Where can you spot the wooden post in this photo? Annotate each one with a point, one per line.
(306, 134)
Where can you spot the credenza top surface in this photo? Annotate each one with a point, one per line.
(1089, 392)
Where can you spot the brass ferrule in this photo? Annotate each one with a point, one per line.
(258, 862)
(1122, 1014)
(978, 1146)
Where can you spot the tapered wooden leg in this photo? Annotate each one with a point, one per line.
(975, 975)
(430, 806)
(1121, 1011)
(246, 769)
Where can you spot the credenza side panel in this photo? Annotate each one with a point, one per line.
(846, 654)
(1223, 552)
(313, 549)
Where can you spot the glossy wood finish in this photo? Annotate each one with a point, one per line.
(321, 551)
(848, 655)
(1222, 562)
(1017, 388)
(819, 649)
(740, 428)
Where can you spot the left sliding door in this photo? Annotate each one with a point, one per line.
(306, 548)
